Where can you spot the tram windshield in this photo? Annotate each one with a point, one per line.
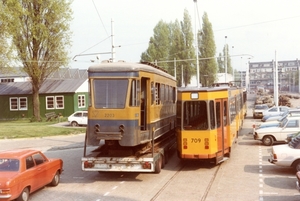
(195, 115)
(110, 93)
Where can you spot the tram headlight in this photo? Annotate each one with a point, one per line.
(206, 143)
(122, 128)
(97, 128)
(184, 143)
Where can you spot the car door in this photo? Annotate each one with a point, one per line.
(84, 118)
(42, 175)
(80, 118)
(292, 126)
(29, 175)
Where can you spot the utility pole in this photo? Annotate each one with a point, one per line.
(112, 42)
(225, 60)
(196, 47)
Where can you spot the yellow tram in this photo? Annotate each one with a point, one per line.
(131, 104)
(208, 121)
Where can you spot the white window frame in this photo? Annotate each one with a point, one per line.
(55, 102)
(18, 105)
(10, 103)
(81, 101)
(57, 106)
(47, 104)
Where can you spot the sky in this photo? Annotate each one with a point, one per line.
(255, 30)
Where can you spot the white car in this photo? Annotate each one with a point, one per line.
(78, 118)
(269, 134)
(276, 110)
(258, 110)
(291, 112)
(287, 155)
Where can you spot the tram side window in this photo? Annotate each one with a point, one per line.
(166, 93)
(218, 110)
(195, 115)
(162, 94)
(157, 94)
(225, 114)
(134, 93)
(174, 94)
(152, 93)
(212, 114)
(232, 109)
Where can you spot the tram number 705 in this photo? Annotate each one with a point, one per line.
(196, 140)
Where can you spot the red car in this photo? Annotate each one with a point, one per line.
(25, 171)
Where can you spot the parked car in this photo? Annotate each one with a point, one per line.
(275, 110)
(287, 155)
(291, 136)
(291, 112)
(25, 171)
(268, 135)
(298, 180)
(78, 118)
(258, 110)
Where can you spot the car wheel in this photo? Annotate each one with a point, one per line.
(74, 124)
(56, 179)
(296, 165)
(24, 195)
(268, 140)
(158, 165)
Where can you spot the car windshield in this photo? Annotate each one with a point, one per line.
(261, 107)
(283, 122)
(282, 118)
(9, 165)
(294, 143)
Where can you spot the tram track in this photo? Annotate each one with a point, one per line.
(184, 167)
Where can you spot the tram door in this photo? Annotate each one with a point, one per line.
(144, 103)
(222, 119)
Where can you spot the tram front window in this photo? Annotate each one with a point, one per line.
(195, 115)
(110, 93)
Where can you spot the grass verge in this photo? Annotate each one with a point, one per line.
(26, 129)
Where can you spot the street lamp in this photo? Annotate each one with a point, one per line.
(225, 60)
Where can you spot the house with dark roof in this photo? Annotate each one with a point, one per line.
(63, 92)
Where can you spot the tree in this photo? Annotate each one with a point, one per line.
(159, 44)
(207, 49)
(5, 48)
(220, 63)
(173, 41)
(39, 30)
(228, 59)
(188, 50)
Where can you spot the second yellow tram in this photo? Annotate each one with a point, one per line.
(208, 121)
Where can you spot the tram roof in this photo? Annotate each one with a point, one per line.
(128, 66)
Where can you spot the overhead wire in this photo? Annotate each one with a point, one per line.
(108, 36)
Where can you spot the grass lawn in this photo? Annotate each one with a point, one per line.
(24, 129)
